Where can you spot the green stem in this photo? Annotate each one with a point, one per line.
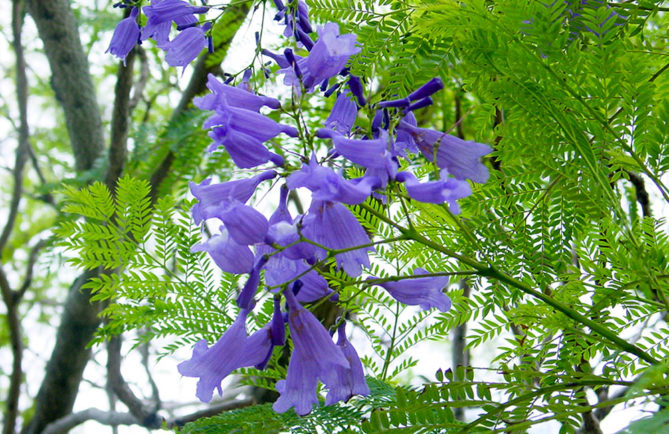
(491, 272)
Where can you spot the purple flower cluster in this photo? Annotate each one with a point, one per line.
(283, 253)
(160, 16)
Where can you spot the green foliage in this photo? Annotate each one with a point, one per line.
(156, 285)
(575, 105)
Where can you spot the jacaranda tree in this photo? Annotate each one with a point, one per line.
(488, 174)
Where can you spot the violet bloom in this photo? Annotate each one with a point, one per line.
(244, 224)
(251, 123)
(445, 190)
(342, 116)
(213, 198)
(160, 15)
(188, 44)
(348, 382)
(332, 225)
(425, 292)
(281, 269)
(459, 157)
(403, 139)
(314, 356)
(327, 185)
(230, 256)
(232, 351)
(370, 153)
(234, 96)
(245, 151)
(327, 57)
(126, 35)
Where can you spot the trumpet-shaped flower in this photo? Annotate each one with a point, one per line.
(425, 292)
(213, 198)
(232, 351)
(348, 381)
(459, 157)
(126, 35)
(314, 356)
(234, 96)
(445, 190)
(327, 185)
(327, 57)
(332, 225)
(230, 256)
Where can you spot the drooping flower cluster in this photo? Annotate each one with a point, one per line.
(282, 254)
(160, 16)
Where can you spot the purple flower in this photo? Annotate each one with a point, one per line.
(332, 225)
(427, 89)
(423, 291)
(281, 269)
(245, 151)
(403, 139)
(186, 46)
(160, 15)
(327, 57)
(348, 381)
(327, 185)
(459, 157)
(251, 123)
(234, 96)
(232, 351)
(213, 198)
(355, 85)
(445, 190)
(230, 256)
(125, 36)
(370, 153)
(314, 356)
(244, 224)
(342, 116)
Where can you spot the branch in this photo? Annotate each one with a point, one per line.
(115, 418)
(71, 78)
(460, 351)
(32, 259)
(148, 417)
(68, 422)
(641, 193)
(120, 120)
(22, 149)
(143, 78)
(12, 298)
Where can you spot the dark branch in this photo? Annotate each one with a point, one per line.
(12, 298)
(641, 193)
(146, 416)
(120, 121)
(71, 79)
